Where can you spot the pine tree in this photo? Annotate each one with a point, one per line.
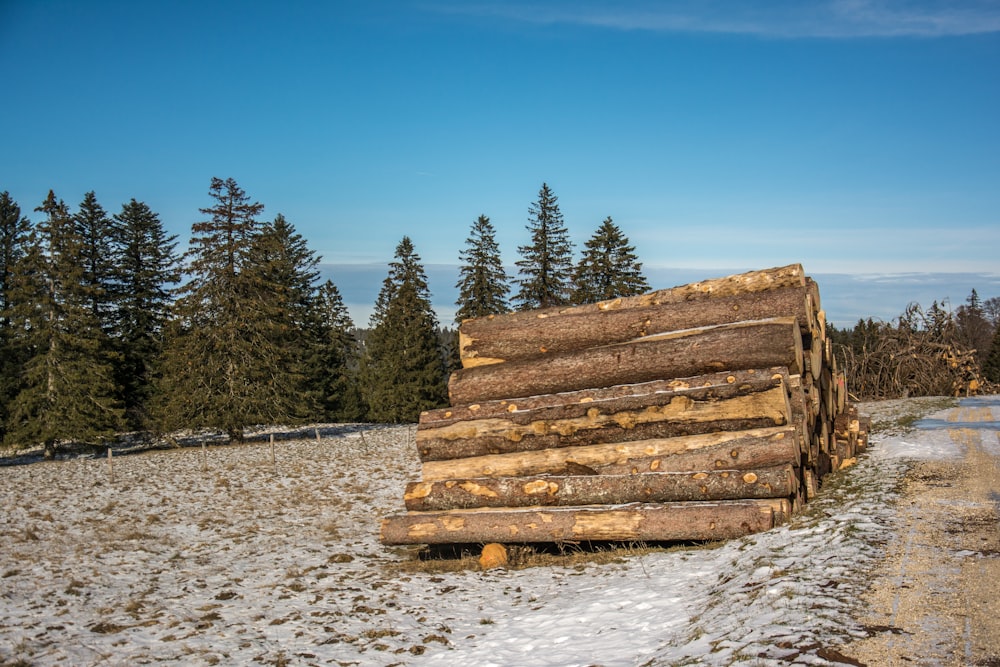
(334, 363)
(14, 231)
(609, 267)
(68, 392)
(546, 266)
(401, 369)
(221, 364)
(145, 265)
(482, 286)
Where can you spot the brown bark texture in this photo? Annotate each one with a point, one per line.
(740, 453)
(638, 522)
(575, 490)
(646, 411)
(744, 345)
(504, 338)
(597, 457)
(502, 407)
(701, 412)
(792, 275)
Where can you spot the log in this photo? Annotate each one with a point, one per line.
(646, 412)
(801, 418)
(744, 345)
(741, 283)
(504, 407)
(847, 422)
(599, 457)
(574, 490)
(502, 338)
(669, 522)
(739, 454)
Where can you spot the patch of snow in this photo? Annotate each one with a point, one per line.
(928, 445)
(242, 562)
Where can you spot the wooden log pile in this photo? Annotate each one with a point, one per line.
(701, 412)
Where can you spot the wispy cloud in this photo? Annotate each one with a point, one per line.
(786, 19)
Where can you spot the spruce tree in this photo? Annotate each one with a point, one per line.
(281, 276)
(546, 266)
(14, 232)
(217, 370)
(97, 256)
(334, 362)
(482, 286)
(609, 267)
(401, 369)
(68, 390)
(991, 367)
(145, 265)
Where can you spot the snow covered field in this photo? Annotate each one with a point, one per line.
(221, 557)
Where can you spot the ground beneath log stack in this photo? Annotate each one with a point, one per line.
(232, 557)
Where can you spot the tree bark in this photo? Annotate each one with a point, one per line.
(502, 338)
(646, 412)
(744, 345)
(637, 522)
(560, 490)
(752, 281)
(740, 453)
(722, 450)
(503, 407)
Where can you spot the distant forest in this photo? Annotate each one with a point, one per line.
(105, 328)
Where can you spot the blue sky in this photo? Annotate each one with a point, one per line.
(859, 138)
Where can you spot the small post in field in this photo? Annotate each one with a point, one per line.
(317, 434)
(111, 468)
(274, 459)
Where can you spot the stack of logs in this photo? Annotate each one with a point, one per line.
(701, 412)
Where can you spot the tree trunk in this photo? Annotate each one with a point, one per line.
(646, 411)
(489, 340)
(739, 453)
(724, 450)
(503, 408)
(739, 346)
(557, 490)
(753, 281)
(638, 522)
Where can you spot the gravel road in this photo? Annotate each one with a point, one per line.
(936, 600)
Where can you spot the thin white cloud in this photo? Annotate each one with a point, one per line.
(787, 19)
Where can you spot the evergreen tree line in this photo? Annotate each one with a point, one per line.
(105, 327)
(932, 352)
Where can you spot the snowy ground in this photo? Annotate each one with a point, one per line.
(223, 557)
